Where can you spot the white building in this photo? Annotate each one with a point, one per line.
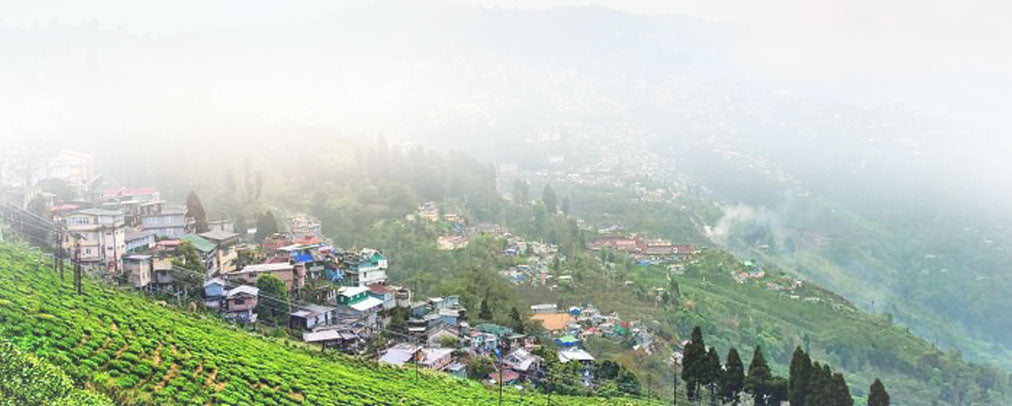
(98, 236)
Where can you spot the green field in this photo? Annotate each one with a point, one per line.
(138, 352)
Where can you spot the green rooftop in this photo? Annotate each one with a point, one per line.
(198, 242)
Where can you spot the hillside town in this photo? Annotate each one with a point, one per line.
(341, 299)
(335, 298)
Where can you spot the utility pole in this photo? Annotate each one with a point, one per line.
(674, 387)
(500, 381)
(77, 263)
(56, 254)
(551, 385)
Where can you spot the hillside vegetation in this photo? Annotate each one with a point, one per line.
(26, 380)
(137, 351)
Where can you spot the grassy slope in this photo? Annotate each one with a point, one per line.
(860, 345)
(137, 351)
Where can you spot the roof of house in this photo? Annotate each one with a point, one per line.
(323, 335)
(219, 235)
(243, 289)
(168, 211)
(125, 191)
(521, 359)
(431, 355)
(99, 212)
(270, 267)
(553, 321)
(399, 354)
(136, 235)
(214, 281)
(200, 243)
(64, 207)
(313, 310)
(575, 354)
(494, 329)
(351, 290)
(379, 289)
(567, 340)
(366, 304)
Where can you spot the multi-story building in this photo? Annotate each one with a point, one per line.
(225, 255)
(164, 221)
(367, 268)
(97, 236)
(140, 270)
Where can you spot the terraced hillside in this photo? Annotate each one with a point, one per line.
(139, 352)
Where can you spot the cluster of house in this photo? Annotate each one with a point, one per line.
(752, 271)
(459, 235)
(643, 249)
(534, 259)
(430, 211)
(120, 227)
(349, 298)
(131, 232)
(573, 325)
(434, 324)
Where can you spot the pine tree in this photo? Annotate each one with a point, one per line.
(814, 385)
(841, 393)
(565, 204)
(800, 377)
(549, 199)
(732, 381)
(759, 377)
(877, 396)
(266, 225)
(776, 391)
(486, 311)
(820, 388)
(195, 210)
(518, 323)
(710, 374)
(692, 361)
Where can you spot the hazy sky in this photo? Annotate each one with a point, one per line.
(951, 56)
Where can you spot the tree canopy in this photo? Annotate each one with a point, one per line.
(195, 210)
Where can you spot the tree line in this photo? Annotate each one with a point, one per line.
(808, 383)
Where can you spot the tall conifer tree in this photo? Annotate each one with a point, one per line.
(692, 360)
(878, 396)
(732, 381)
(759, 376)
(800, 376)
(840, 391)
